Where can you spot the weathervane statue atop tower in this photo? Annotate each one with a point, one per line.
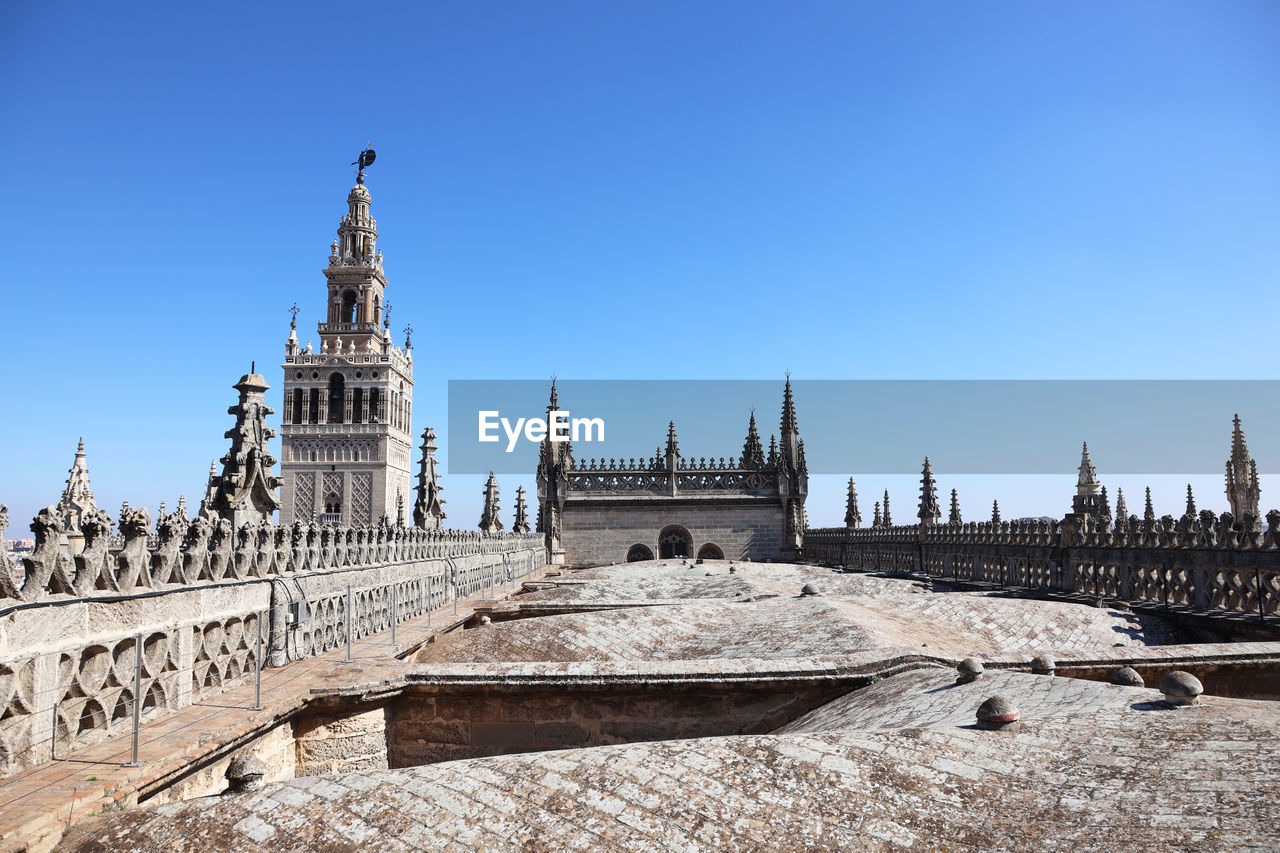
(364, 161)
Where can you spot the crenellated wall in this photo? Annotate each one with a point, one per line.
(196, 600)
(1203, 563)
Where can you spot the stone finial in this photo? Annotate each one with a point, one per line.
(1122, 510)
(954, 517)
(1043, 664)
(1148, 511)
(887, 519)
(1181, 689)
(810, 589)
(1191, 503)
(1127, 676)
(969, 670)
(245, 773)
(997, 713)
(995, 512)
(876, 519)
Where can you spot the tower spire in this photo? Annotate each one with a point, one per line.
(1122, 510)
(877, 520)
(888, 521)
(1243, 490)
(521, 523)
(955, 518)
(490, 522)
(1191, 502)
(752, 450)
(1148, 512)
(929, 512)
(246, 489)
(1089, 499)
(852, 518)
(995, 511)
(77, 500)
(428, 506)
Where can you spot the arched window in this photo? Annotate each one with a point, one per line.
(636, 553)
(674, 541)
(710, 552)
(314, 414)
(377, 310)
(332, 509)
(375, 402)
(348, 314)
(357, 406)
(337, 397)
(297, 406)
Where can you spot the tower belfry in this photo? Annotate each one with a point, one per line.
(346, 434)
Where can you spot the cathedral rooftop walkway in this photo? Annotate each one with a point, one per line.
(37, 806)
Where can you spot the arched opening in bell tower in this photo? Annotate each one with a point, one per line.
(337, 397)
(348, 314)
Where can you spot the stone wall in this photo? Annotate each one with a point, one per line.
(596, 705)
(599, 533)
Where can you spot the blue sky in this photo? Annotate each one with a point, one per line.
(632, 190)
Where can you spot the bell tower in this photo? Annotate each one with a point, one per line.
(346, 433)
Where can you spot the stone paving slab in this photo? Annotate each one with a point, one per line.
(1091, 768)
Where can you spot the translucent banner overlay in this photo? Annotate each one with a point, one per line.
(856, 427)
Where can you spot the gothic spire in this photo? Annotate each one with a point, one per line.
(521, 523)
(1243, 490)
(876, 520)
(995, 511)
(955, 518)
(1148, 512)
(789, 424)
(428, 506)
(490, 522)
(888, 522)
(1122, 510)
(246, 489)
(1087, 481)
(752, 450)
(773, 451)
(929, 512)
(852, 518)
(673, 446)
(77, 499)
(1191, 502)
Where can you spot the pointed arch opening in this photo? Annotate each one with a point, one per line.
(348, 309)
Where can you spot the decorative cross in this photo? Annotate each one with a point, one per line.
(386, 316)
(293, 311)
(408, 332)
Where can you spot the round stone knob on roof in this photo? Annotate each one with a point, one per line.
(1181, 689)
(969, 670)
(1127, 676)
(997, 713)
(1043, 665)
(809, 589)
(245, 773)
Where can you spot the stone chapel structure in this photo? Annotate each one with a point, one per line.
(346, 438)
(596, 512)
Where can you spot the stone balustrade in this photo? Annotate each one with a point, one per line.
(85, 637)
(1205, 563)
